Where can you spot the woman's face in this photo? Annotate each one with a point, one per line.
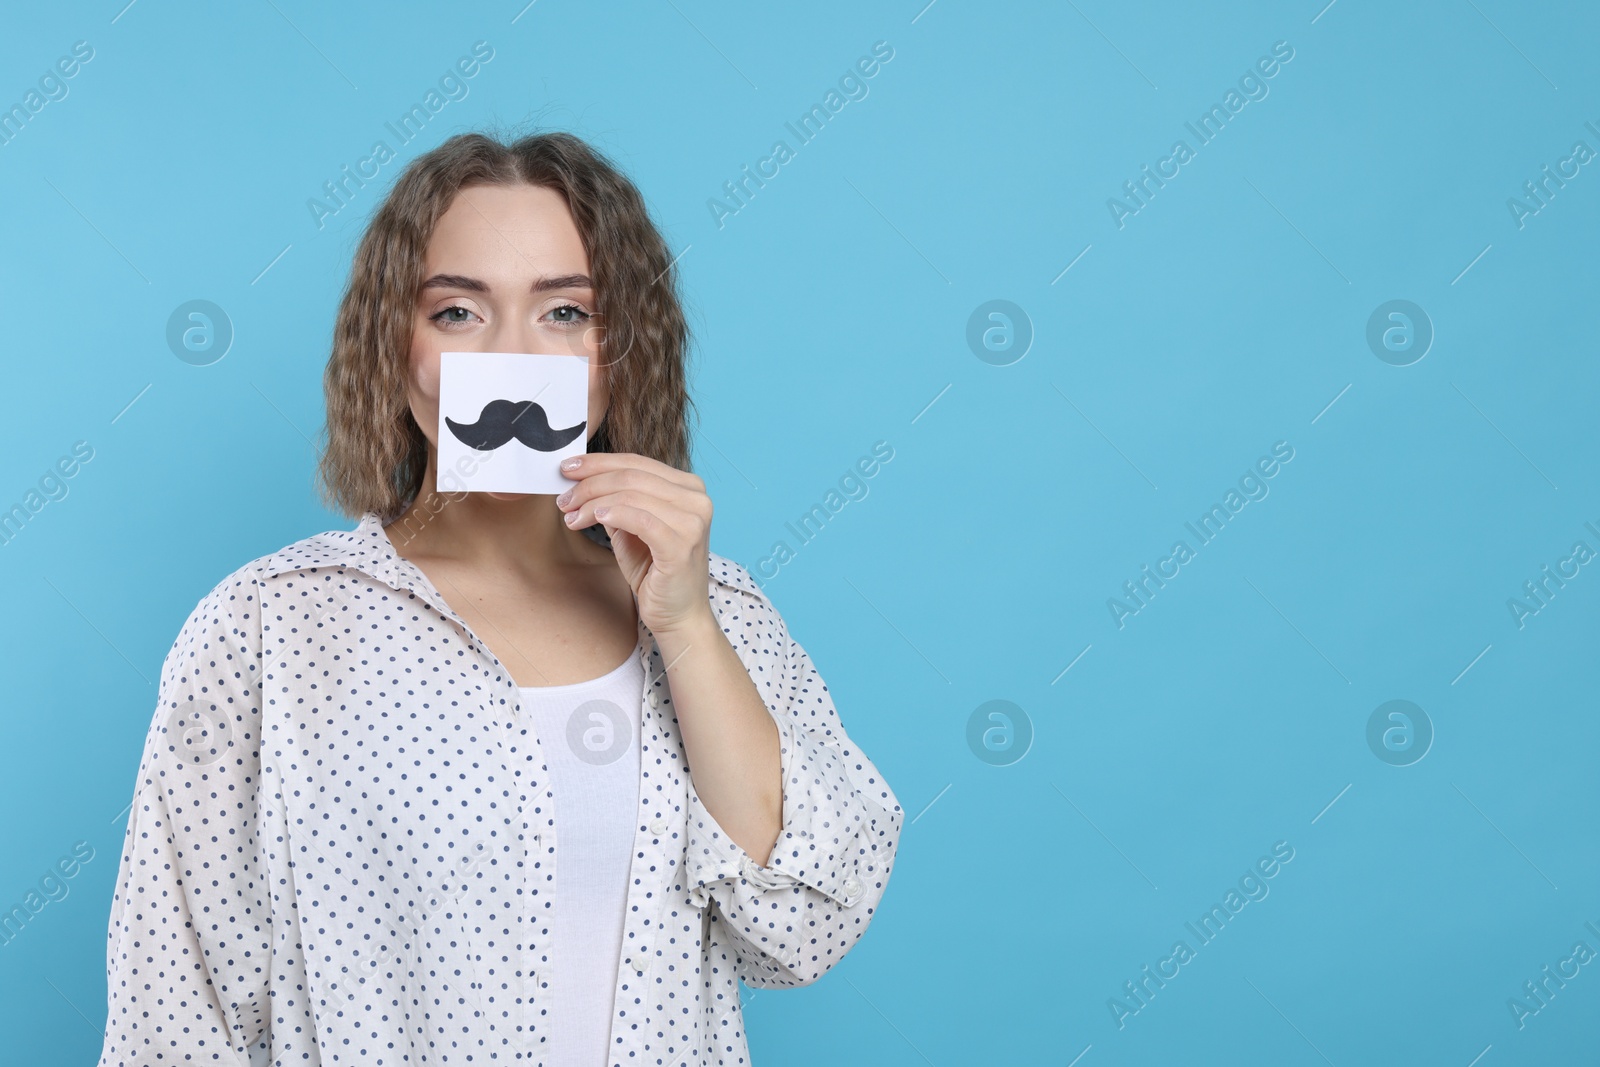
(505, 271)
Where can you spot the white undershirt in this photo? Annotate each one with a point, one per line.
(589, 732)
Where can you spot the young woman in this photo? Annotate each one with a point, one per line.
(491, 777)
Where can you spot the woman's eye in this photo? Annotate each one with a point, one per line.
(569, 314)
(446, 315)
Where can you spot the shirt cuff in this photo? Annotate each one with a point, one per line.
(820, 845)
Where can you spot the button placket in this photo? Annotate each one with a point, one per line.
(537, 843)
(647, 872)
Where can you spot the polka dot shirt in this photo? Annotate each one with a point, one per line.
(342, 843)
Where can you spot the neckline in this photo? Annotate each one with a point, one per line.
(610, 675)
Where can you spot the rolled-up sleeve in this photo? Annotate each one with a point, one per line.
(188, 959)
(793, 918)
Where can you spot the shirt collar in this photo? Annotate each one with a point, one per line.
(367, 548)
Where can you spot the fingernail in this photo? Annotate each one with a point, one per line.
(572, 517)
(571, 464)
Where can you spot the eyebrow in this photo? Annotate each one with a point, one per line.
(473, 285)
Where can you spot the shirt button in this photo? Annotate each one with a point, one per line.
(851, 887)
(641, 963)
(655, 699)
(658, 826)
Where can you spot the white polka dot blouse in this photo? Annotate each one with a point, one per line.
(341, 850)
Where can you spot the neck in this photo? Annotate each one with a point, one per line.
(521, 530)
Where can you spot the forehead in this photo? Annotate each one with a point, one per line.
(508, 231)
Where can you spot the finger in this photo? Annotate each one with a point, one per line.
(592, 463)
(664, 525)
(668, 511)
(638, 480)
(666, 542)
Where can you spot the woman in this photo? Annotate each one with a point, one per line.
(400, 803)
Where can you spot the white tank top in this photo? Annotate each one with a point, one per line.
(589, 732)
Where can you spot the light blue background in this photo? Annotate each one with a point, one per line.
(1225, 316)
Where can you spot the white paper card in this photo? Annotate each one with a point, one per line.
(508, 419)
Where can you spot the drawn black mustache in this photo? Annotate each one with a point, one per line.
(502, 420)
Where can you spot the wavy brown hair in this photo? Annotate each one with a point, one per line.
(376, 455)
